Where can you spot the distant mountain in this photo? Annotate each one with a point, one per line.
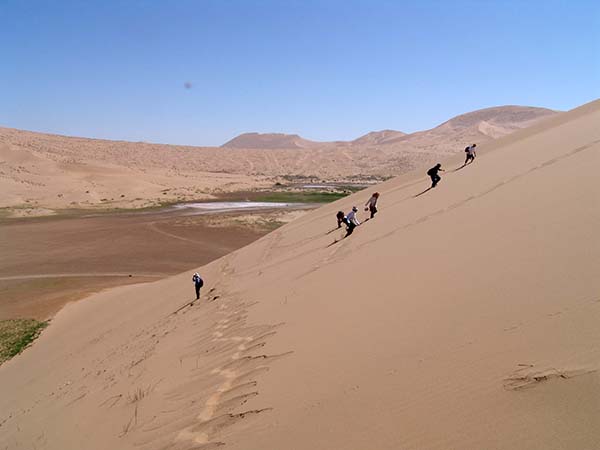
(496, 121)
(476, 127)
(509, 115)
(480, 125)
(269, 141)
(378, 137)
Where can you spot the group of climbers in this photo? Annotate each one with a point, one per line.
(352, 221)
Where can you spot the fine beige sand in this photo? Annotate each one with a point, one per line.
(463, 318)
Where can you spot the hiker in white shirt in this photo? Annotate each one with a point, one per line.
(470, 151)
(351, 221)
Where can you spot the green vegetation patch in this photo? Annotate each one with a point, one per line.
(301, 197)
(16, 335)
(352, 187)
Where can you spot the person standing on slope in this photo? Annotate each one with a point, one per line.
(351, 221)
(371, 204)
(340, 218)
(198, 283)
(470, 151)
(433, 173)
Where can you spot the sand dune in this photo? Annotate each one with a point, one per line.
(378, 137)
(41, 171)
(502, 119)
(45, 171)
(269, 141)
(464, 318)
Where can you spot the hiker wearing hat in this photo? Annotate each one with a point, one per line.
(198, 283)
(371, 204)
(351, 221)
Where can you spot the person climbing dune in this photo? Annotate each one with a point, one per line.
(340, 218)
(351, 221)
(198, 283)
(371, 204)
(433, 173)
(470, 151)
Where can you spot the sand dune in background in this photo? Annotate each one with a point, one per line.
(42, 171)
(465, 318)
(269, 141)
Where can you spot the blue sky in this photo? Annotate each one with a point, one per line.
(324, 69)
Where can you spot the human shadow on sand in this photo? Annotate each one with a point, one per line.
(461, 167)
(421, 193)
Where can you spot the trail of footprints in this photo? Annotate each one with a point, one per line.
(226, 359)
(527, 377)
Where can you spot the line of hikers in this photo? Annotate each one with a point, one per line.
(433, 172)
(352, 221)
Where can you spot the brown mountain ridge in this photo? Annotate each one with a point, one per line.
(492, 122)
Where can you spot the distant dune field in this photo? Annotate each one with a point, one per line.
(461, 317)
(42, 172)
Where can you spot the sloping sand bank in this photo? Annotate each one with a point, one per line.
(465, 318)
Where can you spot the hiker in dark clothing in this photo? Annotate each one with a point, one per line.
(371, 204)
(198, 283)
(340, 218)
(433, 173)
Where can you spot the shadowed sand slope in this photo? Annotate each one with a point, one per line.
(464, 318)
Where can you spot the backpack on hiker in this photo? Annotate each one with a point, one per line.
(197, 279)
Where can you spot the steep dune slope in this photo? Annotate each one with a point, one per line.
(466, 317)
